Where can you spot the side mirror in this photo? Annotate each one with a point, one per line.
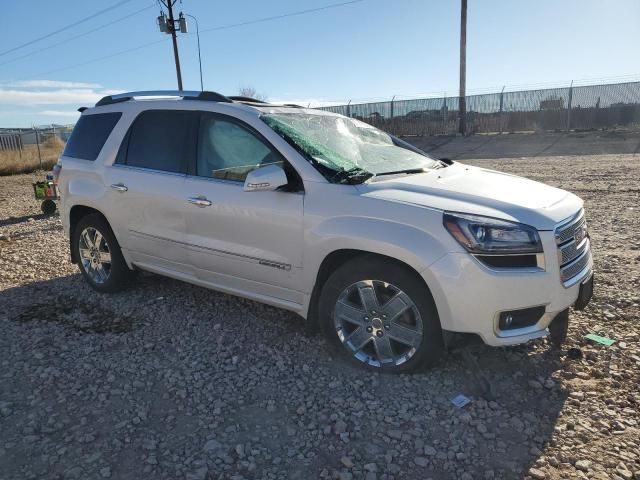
(267, 178)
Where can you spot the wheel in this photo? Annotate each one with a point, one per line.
(48, 207)
(382, 315)
(99, 256)
(558, 328)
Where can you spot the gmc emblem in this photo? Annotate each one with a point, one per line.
(580, 234)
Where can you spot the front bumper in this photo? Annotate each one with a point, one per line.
(470, 296)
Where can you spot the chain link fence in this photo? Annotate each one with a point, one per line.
(553, 109)
(18, 138)
(23, 149)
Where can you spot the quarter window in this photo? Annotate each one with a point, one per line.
(162, 140)
(90, 134)
(230, 151)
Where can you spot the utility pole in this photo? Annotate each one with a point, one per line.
(463, 67)
(168, 25)
(175, 42)
(171, 25)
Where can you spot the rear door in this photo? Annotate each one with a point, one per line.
(244, 241)
(147, 183)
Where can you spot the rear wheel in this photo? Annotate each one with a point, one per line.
(382, 315)
(99, 256)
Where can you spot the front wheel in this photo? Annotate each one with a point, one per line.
(99, 256)
(382, 315)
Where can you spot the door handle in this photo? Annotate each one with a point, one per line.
(199, 201)
(120, 187)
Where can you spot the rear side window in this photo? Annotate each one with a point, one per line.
(89, 135)
(161, 140)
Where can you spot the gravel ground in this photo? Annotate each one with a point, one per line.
(172, 381)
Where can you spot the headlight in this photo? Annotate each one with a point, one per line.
(486, 235)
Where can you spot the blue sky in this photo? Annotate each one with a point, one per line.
(370, 49)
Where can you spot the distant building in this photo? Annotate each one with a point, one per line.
(552, 103)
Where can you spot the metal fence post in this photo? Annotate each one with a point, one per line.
(445, 113)
(38, 145)
(569, 106)
(501, 106)
(349, 109)
(393, 123)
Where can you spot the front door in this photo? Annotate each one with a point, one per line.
(246, 242)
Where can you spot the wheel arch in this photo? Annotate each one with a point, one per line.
(336, 259)
(77, 213)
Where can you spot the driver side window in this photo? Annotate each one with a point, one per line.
(229, 151)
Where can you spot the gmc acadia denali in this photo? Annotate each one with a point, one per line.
(388, 251)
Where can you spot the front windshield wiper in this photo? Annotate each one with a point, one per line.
(407, 171)
(351, 176)
(441, 164)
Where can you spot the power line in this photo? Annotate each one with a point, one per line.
(222, 27)
(121, 52)
(120, 19)
(277, 17)
(67, 27)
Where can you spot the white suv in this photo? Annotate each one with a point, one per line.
(386, 249)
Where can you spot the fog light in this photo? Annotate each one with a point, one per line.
(525, 317)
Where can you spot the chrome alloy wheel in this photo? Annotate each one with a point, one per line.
(378, 323)
(95, 255)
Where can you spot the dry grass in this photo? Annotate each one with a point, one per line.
(12, 162)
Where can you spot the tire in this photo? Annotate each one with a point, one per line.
(48, 207)
(106, 276)
(559, 328)
(373, 339)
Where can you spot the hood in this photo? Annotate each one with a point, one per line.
(468, 189)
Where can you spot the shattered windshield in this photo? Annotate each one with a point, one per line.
(337, 145)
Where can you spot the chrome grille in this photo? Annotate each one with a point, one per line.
(573, 269)
(570, 250)
(567, 230)
(574, 253)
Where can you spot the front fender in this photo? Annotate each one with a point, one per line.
(408, 244)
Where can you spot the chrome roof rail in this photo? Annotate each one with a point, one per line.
(241, 98)
(186, 94)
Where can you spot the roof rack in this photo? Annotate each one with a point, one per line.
(186, 94)
(241, 98)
